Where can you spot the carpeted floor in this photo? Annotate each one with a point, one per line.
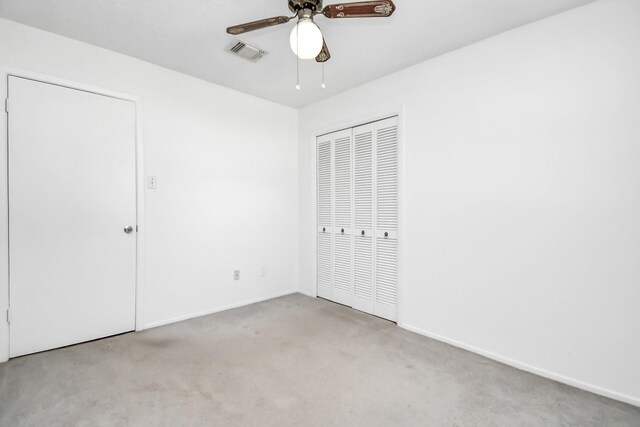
(292, 361)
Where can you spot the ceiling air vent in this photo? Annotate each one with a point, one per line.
(243, 50)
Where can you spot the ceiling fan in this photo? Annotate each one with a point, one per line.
(306, 38)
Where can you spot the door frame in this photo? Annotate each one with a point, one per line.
(360, 119)
(5, 73)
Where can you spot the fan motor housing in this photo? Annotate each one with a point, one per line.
(296, 5)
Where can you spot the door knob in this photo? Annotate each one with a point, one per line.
(128, 229)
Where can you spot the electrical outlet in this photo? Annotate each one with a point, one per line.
(152, 182)
(236, 275)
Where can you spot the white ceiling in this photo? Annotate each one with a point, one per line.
(189, 36)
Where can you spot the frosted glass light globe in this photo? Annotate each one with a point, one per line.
(310, 43)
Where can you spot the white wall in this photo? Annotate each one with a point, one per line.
(521, 194)
(226, 164)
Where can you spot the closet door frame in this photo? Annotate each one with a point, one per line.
(349, 123)
(5, 73)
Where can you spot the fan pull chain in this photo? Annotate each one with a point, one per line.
(323, 85)
(298, 57)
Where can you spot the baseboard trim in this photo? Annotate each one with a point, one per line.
(528, 368)
(216, 310)
(307, 293)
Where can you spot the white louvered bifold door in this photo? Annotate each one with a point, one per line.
(324, 232)
(357, 231)
(342, 218)
(386, 221)
(363, 280)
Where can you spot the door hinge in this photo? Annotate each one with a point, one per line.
(8, 316)
(136, 228)
(6, 105)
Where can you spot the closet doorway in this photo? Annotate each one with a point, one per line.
(357, 217)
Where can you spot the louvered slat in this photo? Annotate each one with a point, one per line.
(387, 179)
(324, 248)
(364, 180)
(386, 253)
(342, 214)
(363, 270)
(342, 253)
(363, 218)
(386, 271)
(342, 189)
(324, 184)
(324, 260)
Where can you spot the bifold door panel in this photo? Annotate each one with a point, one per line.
(71, 158)
(364, 208)
(325, 219)
(358, 200)
(386, 236)
(342, 221)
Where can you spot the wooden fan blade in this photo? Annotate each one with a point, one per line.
(257, 25)
(363, 9)
(324, 54)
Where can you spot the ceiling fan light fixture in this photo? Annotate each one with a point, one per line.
(306, 39)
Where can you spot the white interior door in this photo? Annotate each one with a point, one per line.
(71, 194)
